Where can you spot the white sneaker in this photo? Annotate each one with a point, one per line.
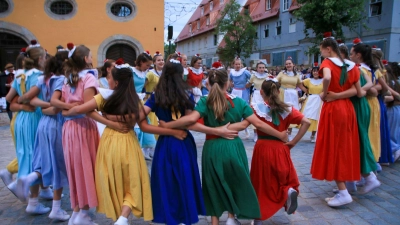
(313, 140)
(22, 189)
(378, 167)
(291, 202)
(371, 182)
(83, 220)
(6, 177)
(257, 222)
(230, 221)
(121, 221)
(60, 214)
(38, 209)
(46, 194)
(13, 188)
(339, 200)
(361, 182)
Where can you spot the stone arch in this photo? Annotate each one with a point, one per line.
(17, 30)
(117, 39)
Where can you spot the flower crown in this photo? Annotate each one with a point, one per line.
(157, 54)
(374, 47)
(328, 35)
(272, 78)
(22, 51)
(71, 49)
(289, 58)
(384, 62)
(178, 53)
(237, 58)
(357, 41)
(315, 64)
(217, 65)
(147, 53)
(197, 55)
(34, 44)
(340, 42)
(174, 61)
(119, 64)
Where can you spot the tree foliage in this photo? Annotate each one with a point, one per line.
(166, 49)
(239, 32)
(329, 16)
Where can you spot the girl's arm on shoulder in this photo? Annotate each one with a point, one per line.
(184, 121)
(28, 96)
(260, 125)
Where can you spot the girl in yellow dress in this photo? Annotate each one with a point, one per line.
(122, 179)
(312, 106)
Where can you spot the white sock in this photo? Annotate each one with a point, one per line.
(83, 212)
(74, 214)
(122, 219)
(343, 192)
(371, 176)
(33, 201)
(56, 205)
(32, 177)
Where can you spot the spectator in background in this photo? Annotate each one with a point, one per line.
(6, 79)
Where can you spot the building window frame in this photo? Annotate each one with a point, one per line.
(267, 5)
(202, 10)
(211, 5)
(215, 39)
(130, 3)
(208, 20)
(9, 10)
(198, 24)
(286, 5)
(47, 9)
(190, 28)
(375, 8)
(278, 27)
(266, 31)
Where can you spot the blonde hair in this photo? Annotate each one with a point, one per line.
(216, 98)
(32, 58)
(271, 92)
(377, 56)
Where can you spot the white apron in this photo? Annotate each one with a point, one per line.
(257, 97)
(291, 97)
(312, 107)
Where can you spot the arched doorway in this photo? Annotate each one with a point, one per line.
(124, 51)
(10, 46)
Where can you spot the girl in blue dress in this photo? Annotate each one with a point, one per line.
(48, 159)
(175, 180)
(27, 122)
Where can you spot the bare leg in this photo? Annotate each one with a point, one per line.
(126, 211)
(214, 220)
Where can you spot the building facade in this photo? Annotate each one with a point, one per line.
(110, 28)
(280, 35)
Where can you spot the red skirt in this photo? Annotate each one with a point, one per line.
(272, 174)
(337, 148)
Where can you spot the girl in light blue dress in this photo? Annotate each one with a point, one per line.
(48, 159)
(240, 80)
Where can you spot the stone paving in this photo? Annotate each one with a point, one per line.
(379, 207)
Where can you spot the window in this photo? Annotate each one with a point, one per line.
(286, 5)
(267, 4)
(375, 8)
(246, 10)
(121, 10)
(202, 10)
(215, 40)
(211, 5)
(266, 31)
(278, 28)
(292, 25)
(60, 9)
(198, 24)
(4, 6)
(221, 2)
(256, 35)
(190, 27)
(208, 20)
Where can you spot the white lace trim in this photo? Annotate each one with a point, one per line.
(260, 75)
(140, 74)
(105, 93)
(339, 63)
(262, 110)
(365, 66)
(235, 73)
(185, 71)
(196, 71)
(27, 73)
(155, 72)
(315, 81)
(289, 73)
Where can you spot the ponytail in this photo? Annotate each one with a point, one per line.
(75, 64)
(271, 92)
(32, 58)
(217, 97)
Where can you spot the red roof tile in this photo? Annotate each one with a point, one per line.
(258, 10)
(294, 6)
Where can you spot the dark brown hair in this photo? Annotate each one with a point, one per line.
(106, 65)
(216, 98)
(32, 58)
(123, 101)
(194, 60)
(392, 74)
(330, 42)
(366, 54)
(171, 91)
(76, 63)
(143, 58)
(344, 50)
(54, 64)
(19, 61)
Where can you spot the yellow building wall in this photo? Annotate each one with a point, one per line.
(91, 25)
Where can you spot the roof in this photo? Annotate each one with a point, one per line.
(257, 9)
(202, 19)
(294, 6)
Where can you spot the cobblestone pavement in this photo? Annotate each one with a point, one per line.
(379, 207)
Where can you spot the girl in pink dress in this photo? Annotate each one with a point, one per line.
(80, 137)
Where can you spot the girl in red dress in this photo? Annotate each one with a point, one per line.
(273, 175)
(337, 150)
(195, 76)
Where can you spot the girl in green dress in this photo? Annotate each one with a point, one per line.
(225, 170)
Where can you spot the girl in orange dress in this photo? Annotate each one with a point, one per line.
(337, 150)
(273, 175)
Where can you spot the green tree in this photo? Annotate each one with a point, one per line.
(166, 49)
(239, 32)
(321, 16)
